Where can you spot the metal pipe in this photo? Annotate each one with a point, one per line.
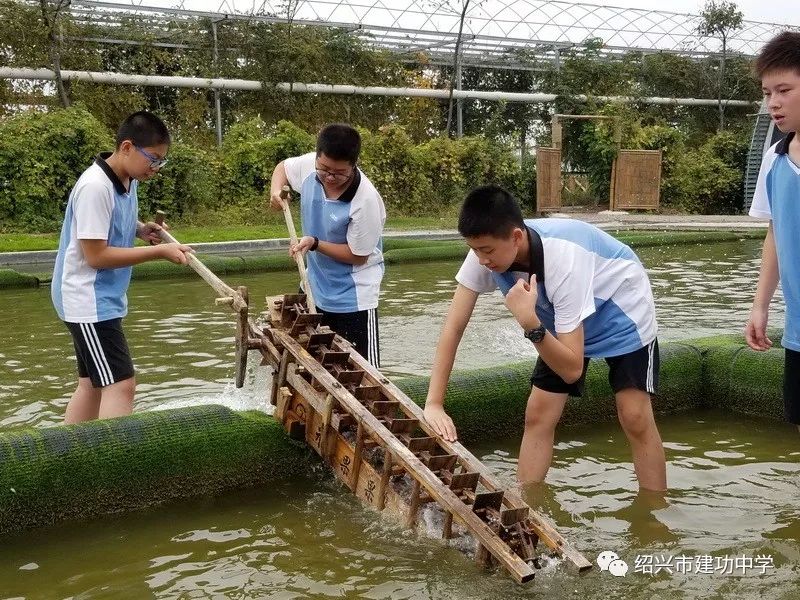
(217, 103)
(459, 103)
(320, 88)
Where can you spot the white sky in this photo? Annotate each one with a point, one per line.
(770, 11)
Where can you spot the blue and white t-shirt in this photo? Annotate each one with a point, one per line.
(777, 197)
(355, 219)
(589, 277)
(99, 208)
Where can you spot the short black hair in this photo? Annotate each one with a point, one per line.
(489, 210)
(144, 129)
(339, 141)
(781, 52)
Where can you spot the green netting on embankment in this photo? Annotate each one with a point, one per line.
(10, 278)
(396, 251)
(646, 239)
(742, 380)
(490, 403)
(101, 467)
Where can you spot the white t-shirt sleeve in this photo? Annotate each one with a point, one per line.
(760, 206)
(298, 168)
(475, 276)
(92, 207)
(366, 222)
(569, 282)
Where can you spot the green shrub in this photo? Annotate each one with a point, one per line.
(703, 180)
(389, 160)
(189, 183)
(41, 157)
(483, 161)
(430, 177)
(251, 150)
(440, 161)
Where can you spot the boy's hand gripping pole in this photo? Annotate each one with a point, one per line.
(298, 257)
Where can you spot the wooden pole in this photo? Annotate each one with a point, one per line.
(298, 258)
(229, 296)
(556, 132)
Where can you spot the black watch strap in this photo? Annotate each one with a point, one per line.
(536, 334)
(315, 244)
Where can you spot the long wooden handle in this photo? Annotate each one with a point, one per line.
(298, 258)
(236, 300)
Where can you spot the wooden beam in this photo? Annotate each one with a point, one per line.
(236, 302)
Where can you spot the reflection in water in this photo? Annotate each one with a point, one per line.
(183, 346)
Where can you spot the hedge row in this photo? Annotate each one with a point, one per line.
(42, 155)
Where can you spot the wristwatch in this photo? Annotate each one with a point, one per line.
(536, 334)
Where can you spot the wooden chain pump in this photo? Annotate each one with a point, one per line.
(375, 438)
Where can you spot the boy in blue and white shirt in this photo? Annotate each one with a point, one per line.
(342, 220)
(777, 197)
(577, 293)
(93, 265)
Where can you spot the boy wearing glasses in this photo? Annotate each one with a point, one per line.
(93, 265)
(342, 221)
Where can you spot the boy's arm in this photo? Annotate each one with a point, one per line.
(755, 331)
(363, 235)
(279, 179)
(93, 207)
(340, 252)
(563, 354)
(100, 255)
(452, 331)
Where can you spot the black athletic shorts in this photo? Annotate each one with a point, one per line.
(637, 369)
(360, 329)
(102, 351)
(791, 386)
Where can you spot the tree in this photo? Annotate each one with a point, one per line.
(720, 19)
(461, 11)
(51, 11)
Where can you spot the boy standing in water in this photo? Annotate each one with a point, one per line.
(93, 265)
(577, 293)
(342, 218)
(776, 198)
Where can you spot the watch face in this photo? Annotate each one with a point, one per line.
(536, 335)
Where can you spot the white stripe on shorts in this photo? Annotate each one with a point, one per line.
(97, 354)
(372, 337)
(650, 365)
